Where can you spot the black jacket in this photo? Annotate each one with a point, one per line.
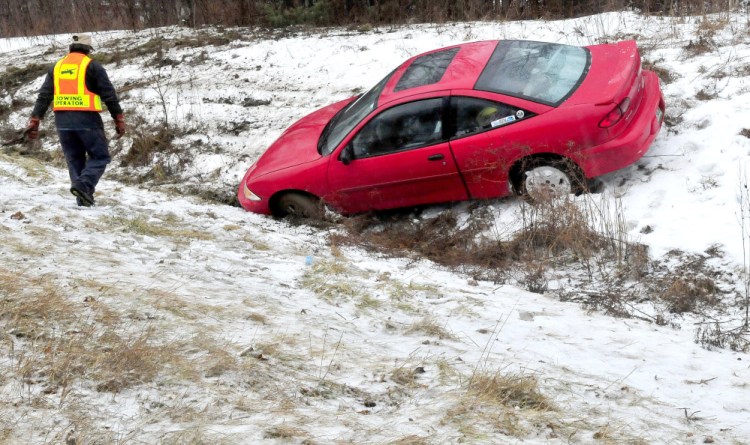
(97, 82)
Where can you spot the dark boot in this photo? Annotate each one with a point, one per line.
(83, 198)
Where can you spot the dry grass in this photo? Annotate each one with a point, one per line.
(684, 294)
(141, 225)
(284, 432)
(332, 281)
(553, 234)
(411, 440)
(430, 327)
(497, 404)
(58, 342)
(30, 166)
(515, 391)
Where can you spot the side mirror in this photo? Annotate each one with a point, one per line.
(347, 155)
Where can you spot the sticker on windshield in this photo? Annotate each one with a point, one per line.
(519, 114)
(503, 121)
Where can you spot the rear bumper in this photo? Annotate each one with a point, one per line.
(633, 143)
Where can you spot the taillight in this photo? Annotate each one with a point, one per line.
(616, 114)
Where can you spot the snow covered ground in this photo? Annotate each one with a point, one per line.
(156, 317)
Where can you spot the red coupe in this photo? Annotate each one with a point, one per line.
(472, 121)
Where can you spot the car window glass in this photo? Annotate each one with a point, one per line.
(426, 70)
(547, 73)
(403, 127)
(349, 117)
(473, 115)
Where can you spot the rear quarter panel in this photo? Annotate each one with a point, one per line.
(485, 159)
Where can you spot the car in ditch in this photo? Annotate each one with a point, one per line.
(477, 120)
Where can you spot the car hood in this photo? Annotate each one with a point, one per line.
(299, 143)
(613, 69)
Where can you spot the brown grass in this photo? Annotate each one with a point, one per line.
(429, 327)
(553, 234)
(283, 432)
(504, 403)
(511, 390)
(685, 294)
(58, 341)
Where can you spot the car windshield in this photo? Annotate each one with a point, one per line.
(348, 118)
(542, 72)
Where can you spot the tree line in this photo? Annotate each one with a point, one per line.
(40, 17)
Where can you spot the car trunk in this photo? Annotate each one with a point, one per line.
(614, 85)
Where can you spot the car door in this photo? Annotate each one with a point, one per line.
(487, 137)
(399, 158)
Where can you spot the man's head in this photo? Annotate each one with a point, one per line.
(81, 43)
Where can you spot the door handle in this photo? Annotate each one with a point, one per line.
(437, 157)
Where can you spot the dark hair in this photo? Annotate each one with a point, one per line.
(79, 48)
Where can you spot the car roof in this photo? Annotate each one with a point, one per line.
(461, 74)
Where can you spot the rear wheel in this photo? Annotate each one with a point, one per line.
(299, 205)
(542, 180)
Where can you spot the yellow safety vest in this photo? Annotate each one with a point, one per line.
(71, 93)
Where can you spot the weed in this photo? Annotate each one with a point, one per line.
(429, 327)
(330, 280)
(14, 77)
(283, 432)
(666, 76)
(713, 335)
(706, 95)
(410, 440)
(685, 293)
(147, 143)
(58, 343)
(405, 376)
(30, 166)
(700, 46)
(142, 226)
(511, 390)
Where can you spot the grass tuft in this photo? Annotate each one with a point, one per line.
(516, 391)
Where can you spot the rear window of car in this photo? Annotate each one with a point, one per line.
(547, 73)
(426, 70)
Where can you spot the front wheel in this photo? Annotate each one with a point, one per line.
(299, 206)
(545, 180)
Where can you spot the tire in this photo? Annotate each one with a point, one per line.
(298, 205)
(542, 180)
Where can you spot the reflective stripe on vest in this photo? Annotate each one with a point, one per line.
(71, 93)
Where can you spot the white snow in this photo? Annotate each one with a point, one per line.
(315, 334)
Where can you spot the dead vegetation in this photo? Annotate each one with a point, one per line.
(501, 404)
(516, 391)
(578, 250)
(56, 343)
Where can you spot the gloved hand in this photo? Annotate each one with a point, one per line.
(32, 129)
(120, 125)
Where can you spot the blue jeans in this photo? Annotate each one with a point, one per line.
(87, 154)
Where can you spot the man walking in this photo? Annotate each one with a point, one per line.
(76, 86)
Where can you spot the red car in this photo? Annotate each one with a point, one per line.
(472, 121)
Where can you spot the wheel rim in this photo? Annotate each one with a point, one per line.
(547, 182)
(293, 209)
(299, 206)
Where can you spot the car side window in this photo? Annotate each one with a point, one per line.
(473, 115)
(403, 127)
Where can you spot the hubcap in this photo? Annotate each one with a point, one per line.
(547, 182)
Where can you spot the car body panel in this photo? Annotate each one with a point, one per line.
(420, 176)
(612, 68)
(299, 142)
